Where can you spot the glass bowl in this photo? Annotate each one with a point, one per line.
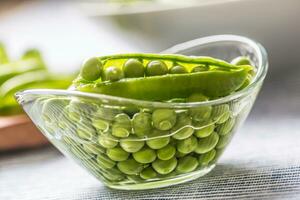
(125, 143)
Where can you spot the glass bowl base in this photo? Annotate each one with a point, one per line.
(164, 183)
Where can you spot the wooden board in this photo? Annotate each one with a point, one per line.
(18, 132)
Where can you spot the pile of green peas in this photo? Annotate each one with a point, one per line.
(131, 144)
(149, 144)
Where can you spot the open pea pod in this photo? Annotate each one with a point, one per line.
(157, 78)
(212, 84)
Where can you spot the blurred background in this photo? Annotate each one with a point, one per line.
(64, 33)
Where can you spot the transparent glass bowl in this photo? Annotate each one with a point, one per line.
(127, 144)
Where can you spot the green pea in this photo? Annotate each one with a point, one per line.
(164, 119)
(130, 167)
(221, 113)
(105, 162)
(219, 152)
(113, 174)
(132, 146)
(178, 69)
(100, 124)
(122, 126)
(134, 178)
(187, 145)
(52, 108)
(182, 132)
(145, 155)
(133, 68)
(164, 166)
(206, 158)
(82, 107)
(85, 131)
(118, 130)
(187, 164)
(206, 130)
(65, 123)
(201, 113)
(117, 154)
(148, 173)
(69, 140)
(168, 176)
(107, 141)
(226, 127)
(80, 153)
(142, 123)
(91, 69)
(113, 74)
(223, 141)
(207, 144)
(180, 155)
(166, 152)
(73, 114)
(156, 68)
(93, 148)
(241, 60)
(122, 118)
(201, 68)
(106, 113)
(158, 143)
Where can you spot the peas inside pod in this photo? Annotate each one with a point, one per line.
(177, 132)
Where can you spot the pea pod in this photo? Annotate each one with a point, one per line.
(222, 79)
(210, 83)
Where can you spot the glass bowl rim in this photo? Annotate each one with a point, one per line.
(261, 73)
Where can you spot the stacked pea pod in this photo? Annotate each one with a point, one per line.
(123, 143)
(27, 72)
